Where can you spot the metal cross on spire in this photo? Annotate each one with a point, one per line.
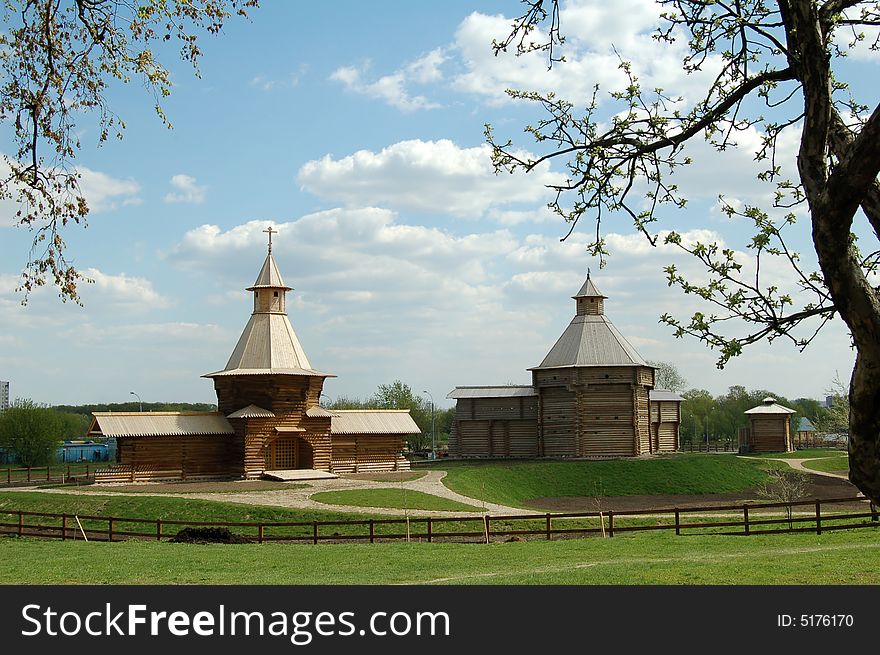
(270, 232)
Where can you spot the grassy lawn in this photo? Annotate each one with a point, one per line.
(514, 483)
(394, 498)
(801, 454)
(845, 557)
(838, 464)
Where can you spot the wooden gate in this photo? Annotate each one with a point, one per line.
(286, 453)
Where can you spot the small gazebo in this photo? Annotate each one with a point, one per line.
(769, 428)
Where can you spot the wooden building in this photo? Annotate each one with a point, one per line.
(269, 417)
(769, 429)
(590, 396)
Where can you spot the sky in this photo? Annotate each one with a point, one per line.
(357, 131)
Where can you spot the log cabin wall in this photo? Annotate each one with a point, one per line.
(769, 433)
(280, 394)
(665, 423)
(178, 457)
(360, 453)
(495, 427)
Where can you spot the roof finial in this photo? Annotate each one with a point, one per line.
(588, 272)
(270, 232)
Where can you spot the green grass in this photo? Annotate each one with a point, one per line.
(806, 453)
(829, 464)
(393, 498)
(845, 557)
(515, 483)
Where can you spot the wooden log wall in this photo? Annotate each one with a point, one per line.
(368, 452)
(770, 434)
(495, 427)
(280, 394)
(665, 425)
(558, 420)
(164, 457)
(607, 420)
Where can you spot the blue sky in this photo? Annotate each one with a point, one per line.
(356, 130)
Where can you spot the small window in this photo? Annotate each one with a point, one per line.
(275, 293)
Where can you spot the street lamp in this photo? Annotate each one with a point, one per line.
(140, 402)
(433, 433)
(324, 395)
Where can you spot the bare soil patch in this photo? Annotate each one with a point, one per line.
(819, 487)
(208, 536)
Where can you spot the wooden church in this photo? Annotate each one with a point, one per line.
(592, 395)
(269, 416)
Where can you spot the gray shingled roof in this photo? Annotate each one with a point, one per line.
(372, 421)
(659, 395)
(770, 406)
(269, 277)
(251, 411)
(268, 345)
(589, 290)
(509, 391)
(591, 340)
(159, 424)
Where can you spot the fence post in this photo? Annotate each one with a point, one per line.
(48, 474)
(68, 471)
(314, 532)
(610, 522)
(746, 519)
(20, 522)
(549, 531)
(87, 470)
(158, 529)
(8, 476)
(63, 527)
(486, 527)
(29, 473)
(260, 538)
(372, 531)
(110, 529)
(818, 517)
(677, 523)
(430, 530)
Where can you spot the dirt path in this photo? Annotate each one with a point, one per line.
(798, 464)
(299, 496)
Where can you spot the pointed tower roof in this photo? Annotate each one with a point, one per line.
(589, 290)
(268, 344)
(269, 277)
(591, 339)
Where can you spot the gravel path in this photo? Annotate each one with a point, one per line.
(301, 498)
(798, 465)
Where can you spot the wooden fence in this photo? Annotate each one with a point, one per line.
(743, 519)
(60, 473)
(719, 446)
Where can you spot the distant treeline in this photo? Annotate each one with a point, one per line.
(135, 407)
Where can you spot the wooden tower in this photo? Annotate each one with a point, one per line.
(268, 390)
(769, 429)
(593, 388)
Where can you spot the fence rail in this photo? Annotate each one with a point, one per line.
(734, 519)
(60, 473)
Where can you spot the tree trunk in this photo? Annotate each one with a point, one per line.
(864, 426)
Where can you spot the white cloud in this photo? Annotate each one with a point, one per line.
(187, 191)
(436, 176)
(394, 88)
(133, 293)
(595, 33)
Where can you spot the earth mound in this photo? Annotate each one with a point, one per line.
(208, 536)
